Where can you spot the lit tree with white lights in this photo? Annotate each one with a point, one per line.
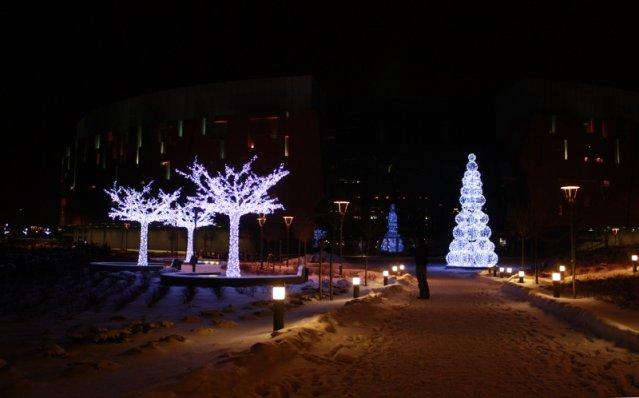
(143, 207)
(235, 193)
(392, 242)
(190, 216)
(471, 245)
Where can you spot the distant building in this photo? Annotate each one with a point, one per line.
(557, 133)
(148, 137)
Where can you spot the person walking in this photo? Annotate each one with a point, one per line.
(421, 269)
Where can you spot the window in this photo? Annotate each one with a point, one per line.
(604, 129)
(553, 124)
(180, 129)
(167, 169)
(590, 126)
(286, 143)
(566, 149)
(617, 152)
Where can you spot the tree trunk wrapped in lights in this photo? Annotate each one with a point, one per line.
(235, 193)
(471, 246)
(142, 207)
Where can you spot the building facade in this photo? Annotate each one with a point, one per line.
(150, 137)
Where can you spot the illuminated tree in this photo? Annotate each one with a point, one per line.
(471, 245)
(143, 207)
(184, 216)
(235, 193)
(392, 242)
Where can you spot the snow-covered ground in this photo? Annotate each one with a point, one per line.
(469, 339)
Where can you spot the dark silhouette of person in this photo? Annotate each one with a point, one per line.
(421, 269)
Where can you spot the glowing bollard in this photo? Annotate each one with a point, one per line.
(521, 276)
(402, 269)
(509, 272)
(562, 271)
(356, 283)
(279, 295)
(634, 258)
(395, 269)
(385, 275)
(501, 272)
(556, 278)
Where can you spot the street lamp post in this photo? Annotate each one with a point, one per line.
(288, 220)
(571, 193)
(634, 258)
(261, 219)
(342, 206)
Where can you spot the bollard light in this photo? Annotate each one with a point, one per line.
(494, 269)
(279, 295)
(521, 274)
(356, 283)
(509, 271)
(385, 275)
(556, 278)
(562, 268)
(501, 272)
(634, 258)
(402, 268)
(394, 268)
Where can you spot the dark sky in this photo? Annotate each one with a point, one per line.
(61, 60)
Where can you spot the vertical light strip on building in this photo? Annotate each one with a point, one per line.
(286, 146)
(617, 152)
(139, 145)
(553, 124)
(162, 148)
(97, 141)
(180, 129)
(222, 150)
(203, 126)
(167, 169)
(565, 149)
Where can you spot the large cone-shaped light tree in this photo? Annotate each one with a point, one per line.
(190, 216)
(142, 207)
(471, 245)
(235, 193)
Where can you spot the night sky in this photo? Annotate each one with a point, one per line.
(61, 61)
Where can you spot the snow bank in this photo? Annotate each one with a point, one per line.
(600, 327)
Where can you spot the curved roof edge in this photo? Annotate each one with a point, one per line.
(278, 94)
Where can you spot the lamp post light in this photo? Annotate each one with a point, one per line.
(395, 269)
(385, 275)
(634, 258)
(501, 272)
(402, 268)
(556, 278)
(571, 193)
(288, 220)
(342, 206)
(279, 295)
(521, 274)
(261, 220)
(356, 283)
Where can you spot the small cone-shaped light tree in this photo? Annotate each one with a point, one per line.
(143, 207)
(471, 245)
(184, 216)
(392, 242)
(235, 193)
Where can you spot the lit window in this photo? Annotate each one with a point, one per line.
(203, 126)
(97, 141)
(617, 152)
(605, 183)
(162, 148)
(180, 128)
(590, 126)
(586, 159)
(604, 129)
(167, 169)
(553, 124)
(565, 149)
(286, 141)
(599, 160)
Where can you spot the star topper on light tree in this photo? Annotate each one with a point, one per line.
(142, 207)
(190, 215)
(235, 193)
